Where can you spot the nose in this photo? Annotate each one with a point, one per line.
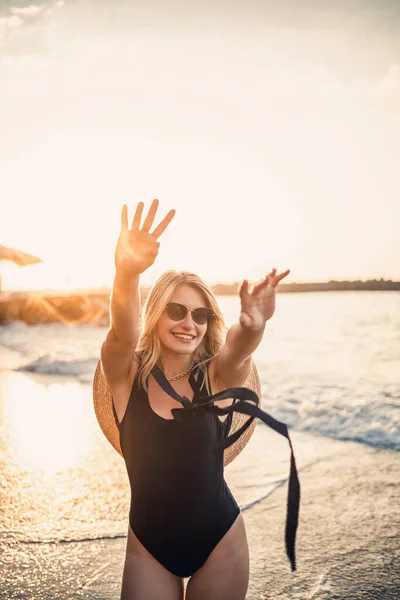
(188, 321)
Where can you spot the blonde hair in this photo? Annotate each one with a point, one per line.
(149, 347)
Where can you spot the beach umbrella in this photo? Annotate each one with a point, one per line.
(17, 256)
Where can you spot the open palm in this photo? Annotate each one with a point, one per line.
(258, 303)
(137, 248)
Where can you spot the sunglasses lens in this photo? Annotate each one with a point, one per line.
(176, 311)
(201, 315)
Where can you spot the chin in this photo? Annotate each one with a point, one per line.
(182, 349)
(179, 347)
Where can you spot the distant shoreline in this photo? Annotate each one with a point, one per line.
(328, 286)
(92, 305)
(229, 289)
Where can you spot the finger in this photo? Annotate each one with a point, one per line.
(148, 222)
(266, 280)
(278, 278)
(124, 217)
(263, 283)
(284, 274)
(137, 217)
(244, 289)
(164, 224)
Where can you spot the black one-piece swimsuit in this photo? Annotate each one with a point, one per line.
(181, 505)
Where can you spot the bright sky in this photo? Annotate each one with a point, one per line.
(273, 129)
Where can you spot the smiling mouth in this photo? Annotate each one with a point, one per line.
(184, 339)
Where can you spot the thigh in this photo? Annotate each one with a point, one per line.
(144, 577)
(225, 574)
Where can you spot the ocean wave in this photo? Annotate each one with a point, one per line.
(375, 423)
(83, 369)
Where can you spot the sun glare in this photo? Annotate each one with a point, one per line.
(47, 424)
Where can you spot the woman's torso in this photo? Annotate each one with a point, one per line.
(176, 479)
(151, 438)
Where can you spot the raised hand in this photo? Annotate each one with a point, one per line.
(137, 248)
(258, 304)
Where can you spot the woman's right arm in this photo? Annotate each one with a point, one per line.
(118, 349)
(136, 251)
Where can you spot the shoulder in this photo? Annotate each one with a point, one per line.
(212, 375)
(224, 375)
(216, 384)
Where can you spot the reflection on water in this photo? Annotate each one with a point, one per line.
(61, 479)
(47, 425)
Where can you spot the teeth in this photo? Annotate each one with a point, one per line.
(185, 337)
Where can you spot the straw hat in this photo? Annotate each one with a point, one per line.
(103, 407)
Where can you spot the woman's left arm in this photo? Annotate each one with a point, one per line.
(257, 307)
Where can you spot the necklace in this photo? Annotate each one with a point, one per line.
(180, 374)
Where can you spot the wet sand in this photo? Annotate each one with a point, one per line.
(347, 540)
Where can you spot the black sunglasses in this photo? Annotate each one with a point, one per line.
(200, 315)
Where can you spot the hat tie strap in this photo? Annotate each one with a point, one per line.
(293, 496)
(246, 401)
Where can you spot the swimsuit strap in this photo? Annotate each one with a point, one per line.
(167, 387)
(196, 384)
(248, 404)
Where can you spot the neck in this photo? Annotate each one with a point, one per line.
(172, 364)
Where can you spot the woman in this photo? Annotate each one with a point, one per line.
(183, 519)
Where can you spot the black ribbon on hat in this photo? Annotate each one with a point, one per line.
(246, 402)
